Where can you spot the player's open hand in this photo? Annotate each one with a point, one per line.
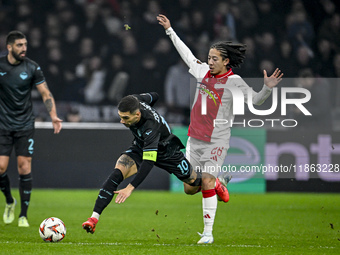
(274, 79)
(123, 194)
(56, 122)
(164, 21)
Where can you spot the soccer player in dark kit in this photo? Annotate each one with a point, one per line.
(18, 76)
(154, 144)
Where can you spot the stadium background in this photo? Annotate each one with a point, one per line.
(90, 61)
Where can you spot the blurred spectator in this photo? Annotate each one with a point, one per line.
(116, 80)
(35, 46)
(3, 46)
(177, 93)
(336, 87)
(287, 60)
(269, 19)
(130, 51)
(222, 16)
(241, 9)
(330, 29)
(73, 116)
(163, 53)
(325, 55)
(66, 35)
(267, 47)
(319, 104)
(150, 27)
(267, 65)
(303, 59)
(53, 28)
(5, 23)
(94, 26)
(55, 72)
(199, 26)
(249, 68)
(147, 77)
(300, 30)
(95, 74)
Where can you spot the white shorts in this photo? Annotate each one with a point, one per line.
(207, 157)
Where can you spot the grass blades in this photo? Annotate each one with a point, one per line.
(161, 222)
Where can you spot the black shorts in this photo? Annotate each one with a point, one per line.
(21, 140)
(175, 163)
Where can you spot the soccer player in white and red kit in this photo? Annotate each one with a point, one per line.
(208, 143)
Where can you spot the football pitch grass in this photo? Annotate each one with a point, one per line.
(167, 223)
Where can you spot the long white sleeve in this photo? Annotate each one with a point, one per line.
(196, 67)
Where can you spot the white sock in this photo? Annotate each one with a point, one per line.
(209, 204)
(95, 215)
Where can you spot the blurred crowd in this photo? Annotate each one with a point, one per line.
(93, 52)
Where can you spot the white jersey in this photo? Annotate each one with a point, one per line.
(213, 89)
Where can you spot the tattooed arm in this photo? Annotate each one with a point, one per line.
(50, 106)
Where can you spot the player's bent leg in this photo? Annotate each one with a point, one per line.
(25, 187)
(192, 185)
(125, 167)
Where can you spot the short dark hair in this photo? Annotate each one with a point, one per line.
(234, 51)
(14, 35)
(128, 104)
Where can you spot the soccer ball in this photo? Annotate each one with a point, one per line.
(52, 230)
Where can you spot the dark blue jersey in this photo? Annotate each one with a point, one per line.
(154, 140)
(152, 133)
(16, 83)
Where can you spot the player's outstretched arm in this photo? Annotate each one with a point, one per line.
(50, 106)
(274, 79)
(188, 57)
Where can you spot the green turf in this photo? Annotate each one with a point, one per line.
(166, 223)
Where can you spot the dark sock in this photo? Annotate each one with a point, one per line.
(25, 188)
(6, 188)
(106, 193)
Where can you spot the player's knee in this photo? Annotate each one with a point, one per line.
(208, 183)
(126, 165)
(3, 165)
(3, 168)
(24, 166)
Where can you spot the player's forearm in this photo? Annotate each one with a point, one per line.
(144, 170)
(260, 97)
(181, 47)
(50, 106)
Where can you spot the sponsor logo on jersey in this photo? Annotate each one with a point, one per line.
(2, 73)
(213, 94)
(23, 75)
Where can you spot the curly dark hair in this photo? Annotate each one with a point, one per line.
(234, 51)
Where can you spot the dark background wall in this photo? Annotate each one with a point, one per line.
(80, 158)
